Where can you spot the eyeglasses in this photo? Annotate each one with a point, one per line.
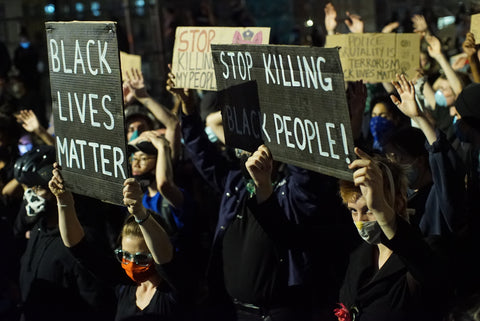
(139, 258)
(142, 160)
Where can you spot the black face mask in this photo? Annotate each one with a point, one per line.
(145, 180)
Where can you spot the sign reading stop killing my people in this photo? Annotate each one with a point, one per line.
(292, 99)
(88, 107)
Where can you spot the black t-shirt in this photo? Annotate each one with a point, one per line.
(254, 268)
(163, 305)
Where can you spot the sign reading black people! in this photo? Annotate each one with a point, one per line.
(290, 98)
(88, 107)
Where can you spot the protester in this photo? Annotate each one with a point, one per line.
(395, 274)
(146, 294)
(436, 177)
(53, 285)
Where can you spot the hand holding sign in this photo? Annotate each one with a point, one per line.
(57, 187)
(369, 177)
(260, 166)
(469, 45)
(183, 94)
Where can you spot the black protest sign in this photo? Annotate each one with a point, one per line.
(85, 81)
(302, 110)
(241, 116)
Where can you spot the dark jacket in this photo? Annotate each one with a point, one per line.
(296, 193)
(411, 285)
(54, 286)
(439, 207)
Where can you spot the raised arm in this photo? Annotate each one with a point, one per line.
(470, 49)
(368, 176)
(155, 236)
(164, 170)
(330, 18)
(435, 51)
(30, 123)
(71, 230)
(136, 85)
(408, 106)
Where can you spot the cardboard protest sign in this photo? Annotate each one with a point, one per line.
(300, 111)
(88, 107)
(192, 58)
(475, 27)
(129, 61)
(377, 57)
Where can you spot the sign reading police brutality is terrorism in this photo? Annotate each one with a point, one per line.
(302, 113)
(192, 62)
(88, 107)
(377, 57)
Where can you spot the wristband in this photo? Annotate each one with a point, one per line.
(140, 222)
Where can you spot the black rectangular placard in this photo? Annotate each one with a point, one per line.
(85, 80)
(302, 107)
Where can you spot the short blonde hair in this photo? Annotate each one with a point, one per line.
(131, 228)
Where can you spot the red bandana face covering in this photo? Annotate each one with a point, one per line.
(136, 272)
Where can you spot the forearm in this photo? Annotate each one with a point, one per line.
(387, 220)
(475, 67)
(71, 230)
(155, 237)
(165, 182)
(45, 136)
(429, 95)
(450, 74)
(427, 128)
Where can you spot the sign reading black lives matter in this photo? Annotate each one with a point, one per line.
(88, 107)
(290, 98)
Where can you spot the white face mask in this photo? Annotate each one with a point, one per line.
(35, 204)
(369, 231)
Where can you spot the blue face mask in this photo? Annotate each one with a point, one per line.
(25, 45)
(440, 99)
(379, 126)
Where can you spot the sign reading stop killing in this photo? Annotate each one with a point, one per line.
(87, 99)
(292, 99)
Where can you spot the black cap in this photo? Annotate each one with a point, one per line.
(139, 145)
(35, 167)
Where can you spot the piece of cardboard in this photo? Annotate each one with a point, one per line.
(377, 57)
(292, 99)
(475, 27)
(88, 107)
(192, 58)
(129, 61)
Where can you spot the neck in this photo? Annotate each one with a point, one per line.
(152, 188)
(151, 283)
(383, 254)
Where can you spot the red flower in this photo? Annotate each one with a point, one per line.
(342, 313)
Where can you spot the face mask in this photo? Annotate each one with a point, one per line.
(440, 99)
(35, 204)
(136, 272)
(134, 135)
(25, 44)
(379, 126)
(369, 231)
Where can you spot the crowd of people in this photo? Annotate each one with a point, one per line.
(210, 232)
